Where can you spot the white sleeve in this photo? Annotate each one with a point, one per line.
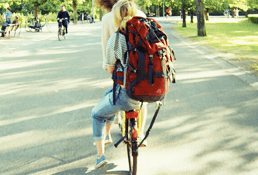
(140, 13)
(104, 38)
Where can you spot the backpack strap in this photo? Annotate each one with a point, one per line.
(116, 44)
(114, 76)
(151, 125)
(151, 78)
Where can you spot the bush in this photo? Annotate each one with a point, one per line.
(253, 18)
(51, 17)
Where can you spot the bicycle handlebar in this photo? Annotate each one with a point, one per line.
(61, 19)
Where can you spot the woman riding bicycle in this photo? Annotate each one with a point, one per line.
(104, 112)
(108, 28)
(64, 15)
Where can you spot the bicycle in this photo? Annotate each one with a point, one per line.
(36, 25)
(130, 135)
(61, 30)
(47, 25)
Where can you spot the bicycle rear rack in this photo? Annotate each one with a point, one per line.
(159, 104)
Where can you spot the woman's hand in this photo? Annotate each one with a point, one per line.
(110, 69)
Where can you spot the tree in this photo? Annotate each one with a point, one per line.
(157, 3)
(184, 7)
(200, 17)
(192, 9)
(36, 4)
(252, 3)
(74, 11)
(144, 4)
(187, 6)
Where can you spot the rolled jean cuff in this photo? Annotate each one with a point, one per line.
(98, 138)
(110, 120)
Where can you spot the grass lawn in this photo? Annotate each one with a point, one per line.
(240, 38)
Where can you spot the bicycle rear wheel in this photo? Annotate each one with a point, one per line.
(64, 33)
(59, 33)
(131, 146)
(48, 26)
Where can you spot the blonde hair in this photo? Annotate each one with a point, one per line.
(123, 11)
(107, 4)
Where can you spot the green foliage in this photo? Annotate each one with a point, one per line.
(253, 3)
(238, 38)
(253, 18)
(26, 7)
(48, 7)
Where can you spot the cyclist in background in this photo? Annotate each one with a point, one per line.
(63, 13)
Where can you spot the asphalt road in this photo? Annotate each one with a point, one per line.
(208, 125)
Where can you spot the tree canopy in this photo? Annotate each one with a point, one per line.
(156, 6)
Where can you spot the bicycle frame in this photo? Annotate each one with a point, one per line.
(130, 135)
(132, 116)
(61, 30)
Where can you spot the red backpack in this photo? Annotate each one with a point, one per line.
(150, 61)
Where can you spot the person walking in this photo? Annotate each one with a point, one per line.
(168, 12)
(7, 15)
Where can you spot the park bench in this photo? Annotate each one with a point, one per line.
(13, 28)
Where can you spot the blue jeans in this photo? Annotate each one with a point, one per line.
(4, 26)
(104, 112)
(64, 23)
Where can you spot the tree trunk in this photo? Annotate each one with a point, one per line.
(192, 16)
(100, 14)
(35, 10)
(183, 11)
(200, 17)
(157, 10)
(75, 11)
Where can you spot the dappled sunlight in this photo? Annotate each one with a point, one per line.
(34, 138)
(207, 126)
(17, 120)
(54, 111)
(242, 42)
(245, 40)
(71, 108)
(226, 20)
(206, 141)
(11, 88)
(220, 112)
(40, 52)
(102, 83)
(41, 87)
(239, 31)
(54, 52)
(202, 74)
(41, 113)
(27, 73)
(23, 53)
(51, 86)
(7, 65)
(196, 80)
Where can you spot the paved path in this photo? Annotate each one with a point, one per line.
(208, 125)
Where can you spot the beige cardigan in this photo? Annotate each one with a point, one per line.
(108, 28)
